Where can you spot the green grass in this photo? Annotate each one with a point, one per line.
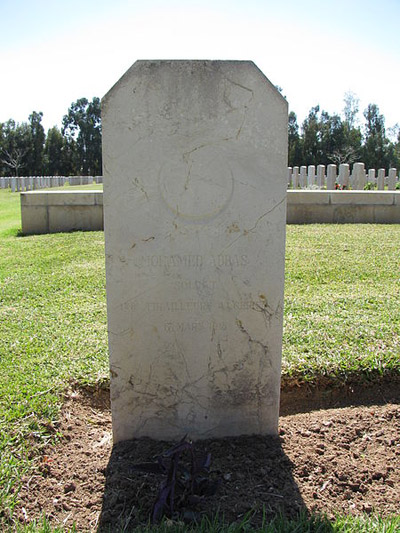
(67, 186)
(342, 291)
(303, 524)
(342, 319)
(9, 212)
(52, 331)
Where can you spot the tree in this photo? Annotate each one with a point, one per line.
(16, 145)
(332, 136)
(294, 141)
(311, 138)
(351, 108)
(82, 129)
(348, 149)
(397, 148)
(347, 154)
(378, 151)
(14, 159)
(53, 152)
(35, 164)
(329, 139)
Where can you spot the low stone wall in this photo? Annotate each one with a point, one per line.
(54, 211)
(343, 207)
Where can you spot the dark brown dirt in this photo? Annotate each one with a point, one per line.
(343, 460)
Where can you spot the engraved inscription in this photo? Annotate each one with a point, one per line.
(187, 261)
(204, 285)
(191, 261)
(187, 306)
(194, 327)
(198, 305)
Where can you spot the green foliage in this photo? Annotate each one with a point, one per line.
(59, 154)
(76, 149)
(35, 162)
(26, 149)
(378, 151)
(329, 138)
(53, 152)
(342, 289)
(82, 127)
(311, 138)
(52, 330)
(16, 147)
(303, 523)
(295, 143)
(21, 146)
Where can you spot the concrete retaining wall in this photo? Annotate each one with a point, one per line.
(343, 207)
(53, 211)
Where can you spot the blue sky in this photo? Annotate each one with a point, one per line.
(54, 52)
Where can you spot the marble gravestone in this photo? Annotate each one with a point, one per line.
(195, 163)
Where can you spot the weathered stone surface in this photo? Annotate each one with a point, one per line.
(195, 170)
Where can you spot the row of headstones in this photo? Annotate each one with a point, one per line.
(32, 183)
(323, 177)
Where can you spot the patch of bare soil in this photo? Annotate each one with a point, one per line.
(344, 460)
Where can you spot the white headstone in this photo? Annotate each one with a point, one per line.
(372, 176)
(359, 176)
(344, 175)
(331, 177)
(295, 177)
(311, 176)
(303, 177)
(392, 178)
(321, 176)
(289, 176)
(195, 176)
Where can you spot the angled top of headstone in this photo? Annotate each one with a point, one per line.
(193, 72)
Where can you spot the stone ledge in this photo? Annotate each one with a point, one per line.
(308, 197)
(343, 207)
(53, 211)
(343, 197)
(47, 198)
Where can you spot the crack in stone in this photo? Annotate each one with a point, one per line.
(241, 86)
(219, 351)
(263, 346)
(266, 311)
(245, 106)
(246, 232)
(265, 214)
(138, 185)
(262, 361)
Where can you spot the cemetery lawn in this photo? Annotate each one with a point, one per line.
(342, 325)
(72, 188)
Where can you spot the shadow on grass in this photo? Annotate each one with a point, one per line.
(257, 486)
